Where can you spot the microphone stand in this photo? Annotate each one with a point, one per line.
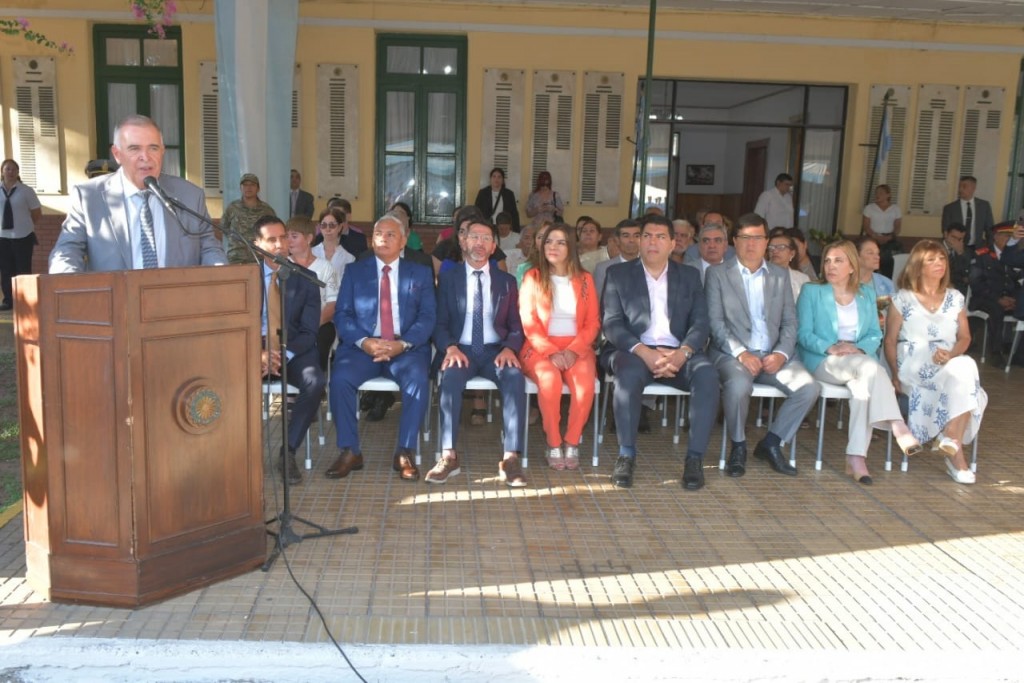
(285, 534)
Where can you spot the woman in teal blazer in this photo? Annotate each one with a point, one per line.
(838, 338)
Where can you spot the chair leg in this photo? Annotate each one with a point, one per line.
(664, 412)
(974, 455)
(595, 457)
(984, 341)
(604, 411)
(725, 437)
(526, 435)
(821, 430)
(309, 451)
(760, 409)
(1013, 349)
(792, 452)
(888, 451)
(679, 405)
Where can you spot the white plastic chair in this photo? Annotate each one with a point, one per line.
(652, 389)
(384, 384)
(761, 391)
(272, 389)
(477, 383)
(531, 389)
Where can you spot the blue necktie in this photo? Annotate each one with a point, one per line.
(148, 236)
(476, 342)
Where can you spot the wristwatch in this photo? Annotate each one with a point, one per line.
(406, 345)
(687, 351)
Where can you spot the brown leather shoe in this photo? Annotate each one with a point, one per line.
(346, 462)
(511, 472)
(405, 464)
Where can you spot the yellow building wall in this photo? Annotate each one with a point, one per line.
(735, 47)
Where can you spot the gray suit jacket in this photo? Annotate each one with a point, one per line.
(95, 235)
(303, 204)
(730, 314)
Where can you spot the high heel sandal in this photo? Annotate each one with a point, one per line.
(572, 457)
(556, 460)
(864, 479)
(910, 445)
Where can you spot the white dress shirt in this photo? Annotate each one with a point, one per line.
(660, 331)
(776, 208)
(490, 336)
(753, 284)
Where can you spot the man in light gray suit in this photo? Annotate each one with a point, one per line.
(753, 338)
(115, 223)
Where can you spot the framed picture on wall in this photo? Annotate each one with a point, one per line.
(700, 174)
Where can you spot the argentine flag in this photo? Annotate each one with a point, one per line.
(886, 139)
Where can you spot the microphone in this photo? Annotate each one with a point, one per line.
(153, 186)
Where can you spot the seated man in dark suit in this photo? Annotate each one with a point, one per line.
(301, 315)
(656, 325)
(385, 315)
(994, 286)
(479, 332)
(753, 337)
(954, 238)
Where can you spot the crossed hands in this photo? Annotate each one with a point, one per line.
(382, 350)
(270, 363)
(755, 365)
(843, 348)
(662, 362)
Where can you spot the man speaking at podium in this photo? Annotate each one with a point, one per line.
(116, 223)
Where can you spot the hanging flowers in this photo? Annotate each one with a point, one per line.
(159, 14)
(20, 27)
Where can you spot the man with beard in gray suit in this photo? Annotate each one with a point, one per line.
(115, 222)
(753, 338)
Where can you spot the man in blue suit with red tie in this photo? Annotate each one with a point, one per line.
(385, 315)
(479, 332)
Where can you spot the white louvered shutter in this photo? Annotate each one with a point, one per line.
(209, 137)
(554, 98)
(34, 126)
(501, 135)
(297, 118)
(979, 147)
(931, 181)
(600, 158)
(337, 130)
(891, 170)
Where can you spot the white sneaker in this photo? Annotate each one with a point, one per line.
(959, 476)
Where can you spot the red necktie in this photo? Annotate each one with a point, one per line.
(387, 320)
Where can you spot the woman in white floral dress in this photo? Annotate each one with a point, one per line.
(926, 337)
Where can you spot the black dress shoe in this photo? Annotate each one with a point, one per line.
(693, 474)
(775, 458)
(293, 473)
(379, 408)
(737, 465)
(645, 423)
(622, 475)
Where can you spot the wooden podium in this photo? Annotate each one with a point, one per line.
(139, 395)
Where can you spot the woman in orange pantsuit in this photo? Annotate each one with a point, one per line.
(559, 309)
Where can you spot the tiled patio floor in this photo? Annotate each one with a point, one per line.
(914, 563)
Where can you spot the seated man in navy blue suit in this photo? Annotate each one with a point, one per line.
(656, 324)
(301, 315)
(385, 315)
(478, 332)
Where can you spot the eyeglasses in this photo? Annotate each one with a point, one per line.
(486, 239)
(778, 247)
(712, 240)
(326, 225)
(750, 238)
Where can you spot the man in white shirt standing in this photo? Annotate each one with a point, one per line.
(776, 204)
